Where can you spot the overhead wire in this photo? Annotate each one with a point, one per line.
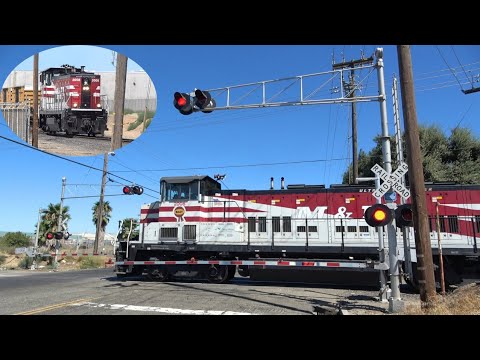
(69, 160)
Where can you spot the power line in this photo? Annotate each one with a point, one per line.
(460, 64)
(236, 166)
(453, 72)
(72, 161)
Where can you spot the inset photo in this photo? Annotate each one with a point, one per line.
(83, 93)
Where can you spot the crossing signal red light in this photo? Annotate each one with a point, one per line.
(404, 215)
(204, 101)
(183, 103)
(133, 190)
(49, 236)
(378, 215)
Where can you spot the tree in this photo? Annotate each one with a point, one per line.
(15, 239)
(126, 228)
(107, 213)
(49, 220)
(454, 158)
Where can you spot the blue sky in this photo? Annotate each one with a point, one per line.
(227, 138)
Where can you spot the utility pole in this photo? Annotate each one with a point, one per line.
(100, 203)
(119, 101)
(60, 220)
(35, 102)
(426, 278)
(351, 88)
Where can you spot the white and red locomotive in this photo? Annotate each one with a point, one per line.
(198, 227)
(71, 102)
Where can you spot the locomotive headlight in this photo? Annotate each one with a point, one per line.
(99, 105)
(75, 104)
(86, 88)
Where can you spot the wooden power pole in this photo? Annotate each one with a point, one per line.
(425, 272)
(119, 101)
(35, 102)
(351, 87)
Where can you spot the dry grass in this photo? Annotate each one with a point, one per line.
(463, 301)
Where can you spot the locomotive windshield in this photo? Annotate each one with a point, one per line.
(188, 188)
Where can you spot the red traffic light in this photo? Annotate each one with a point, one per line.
(404, 215)
(378, 215)
(127, 190)
(183, 103)
(49, 236)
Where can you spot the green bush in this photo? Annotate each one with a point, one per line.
(25, 263)
(128, 111)
(15, 239)
(2, 259)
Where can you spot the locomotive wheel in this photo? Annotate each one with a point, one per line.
(218, 274)
(158, 274)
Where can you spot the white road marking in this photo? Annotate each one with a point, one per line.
(159, 309)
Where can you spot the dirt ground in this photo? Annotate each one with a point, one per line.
(127, 120)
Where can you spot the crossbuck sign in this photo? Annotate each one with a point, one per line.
(391, 181)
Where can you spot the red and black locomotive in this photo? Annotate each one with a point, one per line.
(71, 102)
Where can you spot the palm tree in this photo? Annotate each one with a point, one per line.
(126, 228)
(49, 220)
(107, 213)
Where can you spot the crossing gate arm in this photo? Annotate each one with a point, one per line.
(338, 264)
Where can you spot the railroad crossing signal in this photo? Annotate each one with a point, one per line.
(200, 100)
(391, 181)
(183, 103)
(378, 215)
(404, 215)
(133, 190)
(203, 100)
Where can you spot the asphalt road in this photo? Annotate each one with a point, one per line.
(99, 291)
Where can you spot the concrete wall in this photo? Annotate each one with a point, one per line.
(139, 87)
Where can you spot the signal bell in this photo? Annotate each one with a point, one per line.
(378, 215)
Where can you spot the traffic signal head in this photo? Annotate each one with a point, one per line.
(204, 101)
(183, 103)
(404, 215)
(49, 236)
(378, 215)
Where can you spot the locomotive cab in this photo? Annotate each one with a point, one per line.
(187, 188)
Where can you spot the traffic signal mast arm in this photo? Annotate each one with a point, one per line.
(226, 99)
